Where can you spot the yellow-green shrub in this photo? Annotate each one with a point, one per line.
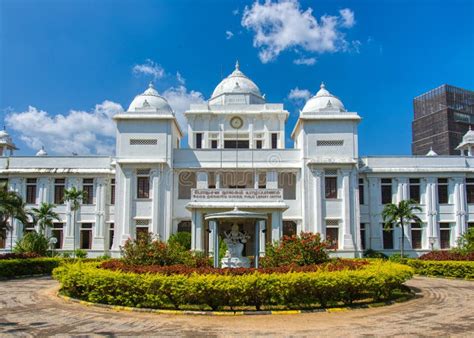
(456, 269)
(297, 289)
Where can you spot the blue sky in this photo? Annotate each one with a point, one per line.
(77, 59)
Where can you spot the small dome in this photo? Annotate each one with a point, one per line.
(42, 152)
(431, 152)
(323, 101)
(4, 135)
(468, 137)
(236, 82)
(150, 100)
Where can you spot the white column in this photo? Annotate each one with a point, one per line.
(156, 202)
(211, 235)
(348, 241)
(251, 145)
(460, 206)
(98, 240)
(71, 239)
(196, 231)
(15, 184)
(201, 180)
(272, 179)
(126, 208)
(277, 226)
(318, 203)
(431, 212)
(261, 237)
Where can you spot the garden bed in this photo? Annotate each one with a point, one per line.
(368, 282)
(449, 268)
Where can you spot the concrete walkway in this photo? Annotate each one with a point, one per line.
(29, 307)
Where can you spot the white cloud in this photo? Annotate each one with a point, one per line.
(236, 11)
(347, 16)
(228, 35)
(180, 98)
(299, 95)
(77, 131)
(181, 80)
(305, 61)
(278, 26)
(149, 68)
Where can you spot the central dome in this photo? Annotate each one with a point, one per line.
(237, 83)
(150, 100)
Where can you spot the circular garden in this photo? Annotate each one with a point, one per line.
(296, 273)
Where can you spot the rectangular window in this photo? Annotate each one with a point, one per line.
(59, 185)
(141, 228)
(88, 188)
(445, 235)
(386, 190)
(470, 190)
(363, 239)
(143, 187)
(332, 233)
(198, 140)
(330, 186)
(287, 182)
(470, 225)
(186, 182)
(415, 189)
(29, 227)
(234, 144)
(31, 190)
(85, 240)
(112, 191)
(416, 236)
(3, 236)
(111, 235)
(443, 197)
(388, 237)
(214, 144)
(258, 144)
(361, 191)
(274, 140)
(57, 232)
(211, 180)
(262, 180)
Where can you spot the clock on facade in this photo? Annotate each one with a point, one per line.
(236, 122)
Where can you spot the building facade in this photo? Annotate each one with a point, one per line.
(237, 169)
(441, 117)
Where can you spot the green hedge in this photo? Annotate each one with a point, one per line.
(29, 266)
(456, 269)
(376, 281)
(32, 266)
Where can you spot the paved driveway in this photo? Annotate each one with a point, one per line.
(30, 307)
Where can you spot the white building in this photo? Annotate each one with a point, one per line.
(237, 162)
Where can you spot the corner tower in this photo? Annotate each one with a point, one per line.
(146, 135)
(326, 134)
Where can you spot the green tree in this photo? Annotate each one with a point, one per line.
(74, 196)
(44, 216)
(400, 214)
(11, 207)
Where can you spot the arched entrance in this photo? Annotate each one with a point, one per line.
(220, 219)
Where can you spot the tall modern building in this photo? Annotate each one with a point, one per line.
(442, 116)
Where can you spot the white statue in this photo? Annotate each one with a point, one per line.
(235, 241)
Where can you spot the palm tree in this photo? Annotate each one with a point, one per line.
(74, 196)
(44, 216)
(11, 207)
(401, 214)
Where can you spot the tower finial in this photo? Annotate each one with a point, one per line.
(237, 65)
(322, 86)
(150, 85)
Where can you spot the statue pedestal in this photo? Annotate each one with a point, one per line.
(235, 262)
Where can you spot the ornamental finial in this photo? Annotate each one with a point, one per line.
(322, 86)
(150, 85)
(237, 65)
